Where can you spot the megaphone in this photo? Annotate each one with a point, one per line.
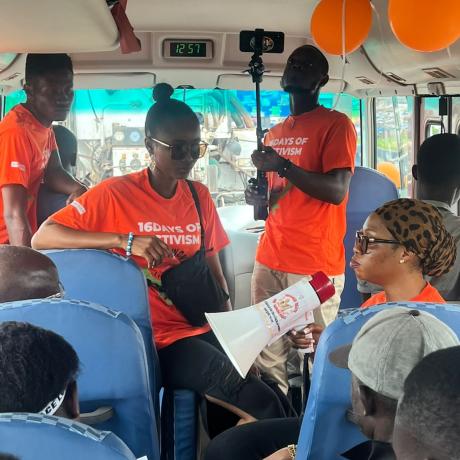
(244, 333)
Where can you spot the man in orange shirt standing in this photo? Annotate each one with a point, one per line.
(309, 158)
(28, 151)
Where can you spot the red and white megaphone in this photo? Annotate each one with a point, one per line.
(244, 333)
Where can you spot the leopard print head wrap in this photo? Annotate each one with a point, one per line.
(418, 226)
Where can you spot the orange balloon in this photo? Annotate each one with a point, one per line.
(424, 25)
(391, 171)
(326, 25)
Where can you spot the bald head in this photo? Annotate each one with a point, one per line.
(306, 71)
(26, 274)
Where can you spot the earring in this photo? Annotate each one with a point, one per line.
(401, 261)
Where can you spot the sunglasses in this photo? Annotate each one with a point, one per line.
(180, 150)
(362, 242)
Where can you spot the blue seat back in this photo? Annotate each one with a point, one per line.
(179, 431)
(55, 438)
(113, 364)
(325, 431)
(368, 190)
(115, 282)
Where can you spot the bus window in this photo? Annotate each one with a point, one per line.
(13, 99)
(394, 140)
(433, 127)
(109, 125)
(431, 121)
(456, 115)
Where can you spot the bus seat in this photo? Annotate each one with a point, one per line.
(237, 261)
(111, 280)
(238, 257)
(369, 189)
(325, 431)
(24, 435)
(95, 276)
(179, 427)
(49, 202)
(237, 217)
(113, 364)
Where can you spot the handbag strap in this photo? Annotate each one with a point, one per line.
(198, 208)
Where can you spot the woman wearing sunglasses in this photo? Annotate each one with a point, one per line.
(400, 243)
(164, 221)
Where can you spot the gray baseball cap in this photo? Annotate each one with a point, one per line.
(390, 345)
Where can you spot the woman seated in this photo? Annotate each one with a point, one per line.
(156, 216)
(399, 244)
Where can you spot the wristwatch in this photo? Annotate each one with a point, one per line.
(285, 167)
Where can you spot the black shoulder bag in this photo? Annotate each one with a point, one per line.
(191, 286)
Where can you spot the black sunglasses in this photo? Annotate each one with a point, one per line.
(362, 242)
(180, 150)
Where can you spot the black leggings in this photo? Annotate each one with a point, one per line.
(254, 441)
(198, 363)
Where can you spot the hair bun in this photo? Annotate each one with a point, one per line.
(162, 92)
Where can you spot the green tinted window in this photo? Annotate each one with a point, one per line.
(109, 125)
(394, 138)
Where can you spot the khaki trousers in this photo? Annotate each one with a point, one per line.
(265, 283)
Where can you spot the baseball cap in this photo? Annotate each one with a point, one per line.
(390, 345)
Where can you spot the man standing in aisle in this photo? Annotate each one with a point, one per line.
(28, 151)
(309, 159)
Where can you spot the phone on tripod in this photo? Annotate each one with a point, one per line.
(259, 41)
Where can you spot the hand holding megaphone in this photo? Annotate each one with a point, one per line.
(244, 333)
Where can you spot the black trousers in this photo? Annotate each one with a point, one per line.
(254, 441)
(198, 363)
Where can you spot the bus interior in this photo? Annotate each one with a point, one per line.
(395, 96)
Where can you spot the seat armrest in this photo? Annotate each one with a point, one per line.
(100, 415)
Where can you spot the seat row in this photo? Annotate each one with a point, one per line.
(120, 369)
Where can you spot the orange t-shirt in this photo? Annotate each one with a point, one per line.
(25, 148)
(428, 294)
(303, 234)
(129, 204)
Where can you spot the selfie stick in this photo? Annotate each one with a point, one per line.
(256, 70)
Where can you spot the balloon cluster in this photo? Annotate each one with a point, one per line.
(342, 26)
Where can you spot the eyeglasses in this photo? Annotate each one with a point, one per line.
(58, 295)
(180, 150)
(362, 242)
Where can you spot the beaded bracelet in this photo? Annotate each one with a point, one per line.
(292, 449)
(129, 246)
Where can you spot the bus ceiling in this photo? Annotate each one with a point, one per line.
(86, 30)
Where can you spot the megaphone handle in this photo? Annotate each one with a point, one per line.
(306, 381)
(300, 327)
(308, 350)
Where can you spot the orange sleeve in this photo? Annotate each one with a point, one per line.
(340, 146)
(89, 212)
(15, 158)
(214, 233)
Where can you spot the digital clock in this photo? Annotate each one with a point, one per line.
(198, 49)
